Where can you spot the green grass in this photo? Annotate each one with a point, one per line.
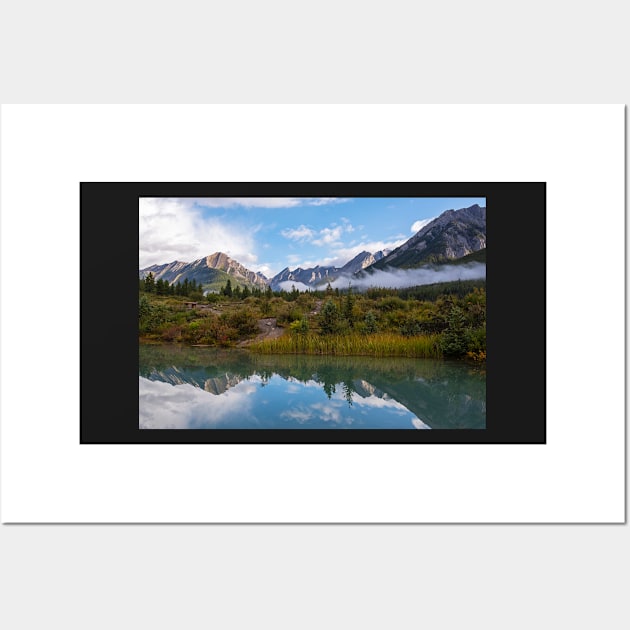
(354, 344)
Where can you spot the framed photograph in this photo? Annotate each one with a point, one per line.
(321, 313)
(551, 178)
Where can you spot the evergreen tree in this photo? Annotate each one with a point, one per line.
(227, 289)
(348, 307)
(161, 287)
(453, 341)
(329, 322)
(246, 292)
(149, 283)
(144, 307)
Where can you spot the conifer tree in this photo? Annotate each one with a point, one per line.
(348, 307)
(227, 289)
(329, 322)
(149, 283)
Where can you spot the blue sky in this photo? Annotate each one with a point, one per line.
(269, 234)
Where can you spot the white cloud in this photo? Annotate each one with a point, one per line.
(323, 201)
(329, 236)
(267, 269)
(344, 254)
(172, 229)
(329, 261)
(347, 225)
(399, 278)
(418, 225)
(301, 233)
(263, 202)
(250, 202)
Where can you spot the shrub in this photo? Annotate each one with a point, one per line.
(170, 332)
(370, 325)
(299, 326)
(392, 304)
(476, 340)
(243, 322)
(150, 316)
(476, 356)
(411, 326)
(192, 333)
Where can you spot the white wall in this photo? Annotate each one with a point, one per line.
(486, 576)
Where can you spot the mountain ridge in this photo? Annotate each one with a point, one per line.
(209, 271)
(452, 235)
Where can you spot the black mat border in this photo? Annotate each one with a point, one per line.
(516, 283)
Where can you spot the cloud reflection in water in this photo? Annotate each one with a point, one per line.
(166, 406)
(247, 404)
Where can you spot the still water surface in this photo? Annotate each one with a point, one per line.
(206, 388)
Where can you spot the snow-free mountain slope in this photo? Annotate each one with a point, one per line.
(454, 234)
(210, 271)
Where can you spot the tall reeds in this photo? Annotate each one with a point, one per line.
(353, 344)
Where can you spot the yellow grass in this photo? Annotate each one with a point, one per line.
(353, 344)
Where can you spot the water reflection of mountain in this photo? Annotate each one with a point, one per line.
(444, 395)
(213, 384)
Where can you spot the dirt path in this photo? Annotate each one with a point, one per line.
(269, 329)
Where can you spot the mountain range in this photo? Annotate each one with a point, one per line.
(455, 236)
(319, 275)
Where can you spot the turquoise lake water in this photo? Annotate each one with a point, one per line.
(207, 388)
